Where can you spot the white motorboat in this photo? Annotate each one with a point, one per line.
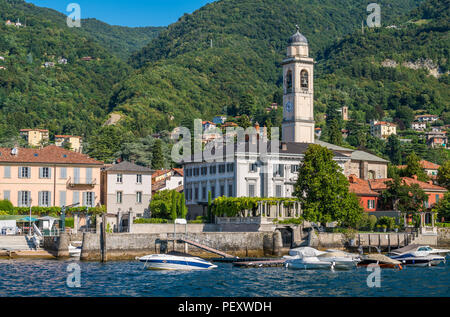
(308, 262)
(305, 251)
(414, 255)
(339, 259)
(416, 248)
(175, 262)
(74, 251)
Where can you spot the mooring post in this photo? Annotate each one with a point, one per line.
(389, 242)
(103, 238)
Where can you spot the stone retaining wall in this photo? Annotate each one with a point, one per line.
(127, 246)
(444, 237)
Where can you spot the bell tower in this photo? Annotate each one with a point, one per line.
(298, 99)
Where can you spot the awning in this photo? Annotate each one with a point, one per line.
(27, 219)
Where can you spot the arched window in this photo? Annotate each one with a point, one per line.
(372, 174)
(304, 79)
(289, 82)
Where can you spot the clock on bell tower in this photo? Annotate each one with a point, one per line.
(298, 100)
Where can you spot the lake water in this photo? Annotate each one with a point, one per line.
(49, 278)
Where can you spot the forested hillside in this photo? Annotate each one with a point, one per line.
(225, 58)
(66, 96)
(183, 74)
(390, 73)
(118, 40)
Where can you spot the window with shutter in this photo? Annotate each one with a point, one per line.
(76, 198)
(7, 172)
(76, 175)
(62, 198)
(88, 175)
(63, 173)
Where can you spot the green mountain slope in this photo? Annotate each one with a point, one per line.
(118, 40)
(65, 98)
(391, 71)
(183, 76)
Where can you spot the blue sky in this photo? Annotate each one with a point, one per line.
(129, 13)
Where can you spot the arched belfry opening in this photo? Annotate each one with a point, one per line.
(289, 82)
(304, 79)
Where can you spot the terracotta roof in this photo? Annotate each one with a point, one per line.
(159, 173)
(179, 171)
(28, 130)
(425, 186)
(50, 154)
(67, 136)
(379, 184)
(360, 187)
(385, 123)
(425, 164)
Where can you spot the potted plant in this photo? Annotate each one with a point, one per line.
(384, 228)
(396, 227)
(379, 228)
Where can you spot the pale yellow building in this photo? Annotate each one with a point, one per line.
(35, 137)
(382, 130)
(76, 142)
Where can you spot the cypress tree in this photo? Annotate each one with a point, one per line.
(157, 155)
(173, 206)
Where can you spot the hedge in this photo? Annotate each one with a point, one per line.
(44, 211)
(151, 220)
(233, 206)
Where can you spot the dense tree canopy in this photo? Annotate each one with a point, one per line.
(324, 191)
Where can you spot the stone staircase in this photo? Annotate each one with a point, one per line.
(16, 243)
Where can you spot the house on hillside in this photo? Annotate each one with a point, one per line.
(437, 139)
(418, 126)
(427, 118)
(35, 137)
(74, 142)
(172, 179)
(430, 168)
(382, 129)
(219, 120)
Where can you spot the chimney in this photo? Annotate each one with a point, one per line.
(283, 146)
(414, 177)
(15, 151)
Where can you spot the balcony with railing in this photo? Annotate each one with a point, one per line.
(81, 182)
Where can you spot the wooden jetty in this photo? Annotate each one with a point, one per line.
(258, 264)
(203, 247)
(234, 259)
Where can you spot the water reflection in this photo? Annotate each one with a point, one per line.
(48, 278)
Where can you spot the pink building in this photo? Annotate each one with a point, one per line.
(51, 176)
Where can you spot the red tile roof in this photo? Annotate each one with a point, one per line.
(67, 136)
(380, 184)
(179, 171)
(361, 187)
(28, 130)
(160, 173)
(51, 154)
(425, 164)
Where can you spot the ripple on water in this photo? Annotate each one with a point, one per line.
(48, 278)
